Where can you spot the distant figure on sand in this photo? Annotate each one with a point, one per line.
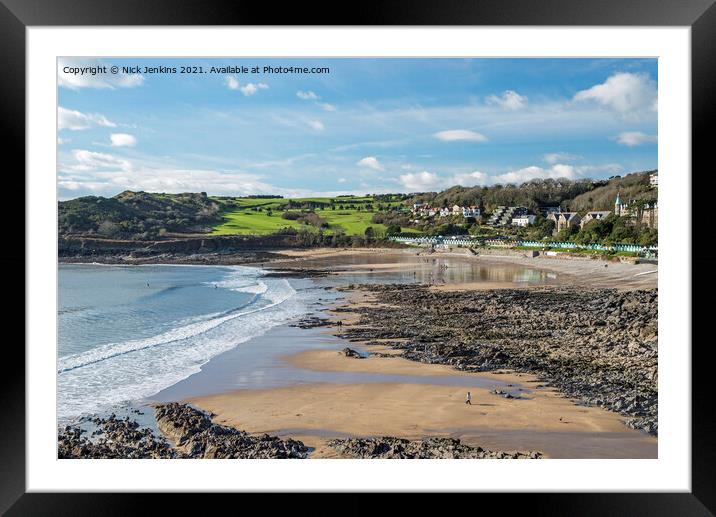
(468, 399)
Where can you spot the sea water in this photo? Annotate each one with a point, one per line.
(127, 332)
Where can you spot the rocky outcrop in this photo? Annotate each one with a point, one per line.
(191, 432)
(598, 346)
(349, 352)
(88, 246)
(113, 438)
(310, 322)
(388, 447)
(196, 436)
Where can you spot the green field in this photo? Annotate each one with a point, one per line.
(250, 216)
(244, 222)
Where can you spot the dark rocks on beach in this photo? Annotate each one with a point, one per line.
(505, 394)
(313, 322)
(349, 352)
(192, 432)
(282, 272)
(113, 438)
(388, 447)
(196, 436)
(598, 346)
(134, 255)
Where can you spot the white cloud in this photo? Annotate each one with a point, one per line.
(342, 180)
(232, 83)
(634, 138)
(428, 181)
(102, 173)
(315, 98)
(83, 172)
(454, 135)
(556, 171)
(420, 181)
(509, 100)
(371, 162)
(316, 125)
(553, 158)
(307, 96)
(630, 95)
(61, 141)
(90, 161)
(470, 179)
(89, 73)
(122, 140)
(252, 88)
(75, 120)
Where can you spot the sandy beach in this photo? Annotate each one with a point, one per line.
(542, 419)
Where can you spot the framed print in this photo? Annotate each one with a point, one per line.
(431, 235)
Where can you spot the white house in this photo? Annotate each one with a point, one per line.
(470, 211)
(465, 211)
(523, 220)
(654, 179)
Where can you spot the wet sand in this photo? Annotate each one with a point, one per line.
(482, 271)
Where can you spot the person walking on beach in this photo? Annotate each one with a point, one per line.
(468, 399)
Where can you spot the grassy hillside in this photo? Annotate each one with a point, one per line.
(345, 214)
(246, 222)
(137, 215)
(601, 197)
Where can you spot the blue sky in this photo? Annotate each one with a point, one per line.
(367, 126)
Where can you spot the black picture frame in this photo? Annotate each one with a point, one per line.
(700, 15)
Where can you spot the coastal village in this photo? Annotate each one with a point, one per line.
(519, 216)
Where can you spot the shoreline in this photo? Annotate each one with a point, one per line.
(582, 271)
